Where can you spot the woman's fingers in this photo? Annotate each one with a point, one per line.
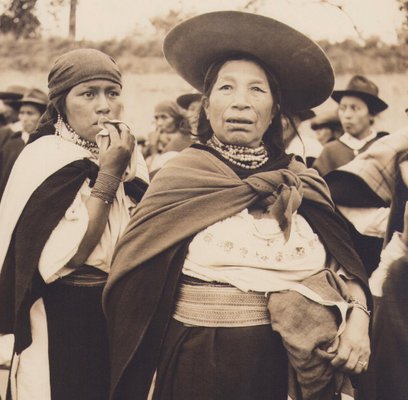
(113, 132)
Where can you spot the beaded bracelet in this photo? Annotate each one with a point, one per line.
(355, 303)
(105, 187)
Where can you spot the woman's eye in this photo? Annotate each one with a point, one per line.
(88, 95)
(114, 93)
(258, 89)
(225, 87)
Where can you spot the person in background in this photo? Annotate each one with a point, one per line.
(296, 142)
(327, 126)
(386, 375)
(170, 136)
(32, 106)
(67, 202)
(9, 109)
(191, 102)
(359, 105)
(229, 220)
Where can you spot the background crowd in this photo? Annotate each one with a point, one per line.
(343, 190)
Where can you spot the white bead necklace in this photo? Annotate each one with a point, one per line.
(242, 156)
(75, 138)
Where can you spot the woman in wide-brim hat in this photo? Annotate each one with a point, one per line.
(66, 203)
(229, 220)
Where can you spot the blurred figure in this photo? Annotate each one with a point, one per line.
(388, 369)
(327, 126)
(31, 107)
(298, 143)
(191, 102)
(359, 104)
(169, 137)
(9, 111)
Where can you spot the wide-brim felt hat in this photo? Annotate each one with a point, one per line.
(305, 115)
(13, 92)
(362, 87)
(301, 67)
(185, 100)
(34, 96)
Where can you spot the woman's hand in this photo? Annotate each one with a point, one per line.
(115, 158)
(353, 345)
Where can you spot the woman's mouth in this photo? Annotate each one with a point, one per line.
(239, 124)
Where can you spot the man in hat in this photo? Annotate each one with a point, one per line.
(31, 107)
(359, 104)
(9, 111)
(327, 126)
(191, 102)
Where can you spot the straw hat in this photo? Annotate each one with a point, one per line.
(361, 87)
(301, 67)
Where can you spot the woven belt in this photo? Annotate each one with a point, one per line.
(210, 304)
(85, 276)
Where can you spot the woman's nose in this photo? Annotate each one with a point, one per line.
(103, 105)
(240, 100)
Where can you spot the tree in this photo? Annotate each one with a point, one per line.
(403, 33)
(20, 20)
(55, 4)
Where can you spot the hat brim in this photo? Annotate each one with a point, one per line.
(185, 100)
(33, 100)
(301, 67)
(10, 96)
(376, 104)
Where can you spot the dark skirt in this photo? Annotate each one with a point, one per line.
(248, 363)
(77, 340)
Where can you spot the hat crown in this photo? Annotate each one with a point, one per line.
(359, 83)
(34, 95)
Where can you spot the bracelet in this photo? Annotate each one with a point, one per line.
(105, 187)
(355, 303)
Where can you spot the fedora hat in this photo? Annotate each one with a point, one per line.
(361, 87)
(13, 92)
(301, 67)
(185, 100)
(326, 118)
(34, 96)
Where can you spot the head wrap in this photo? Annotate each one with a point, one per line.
(169, 107)
(71, 69)
(78, 66)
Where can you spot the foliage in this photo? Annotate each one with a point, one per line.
(144, 55)
(20, 20)
(403, 33)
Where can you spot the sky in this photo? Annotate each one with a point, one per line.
(106, 19)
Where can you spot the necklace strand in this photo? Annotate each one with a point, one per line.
(75, 138)
(245, 157)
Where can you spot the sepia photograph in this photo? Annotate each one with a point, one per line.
(203, 200)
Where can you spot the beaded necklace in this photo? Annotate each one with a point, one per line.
(245, 157)
(75, 138)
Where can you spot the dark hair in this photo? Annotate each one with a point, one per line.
(273, 136)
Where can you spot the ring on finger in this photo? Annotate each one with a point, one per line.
(362, 363)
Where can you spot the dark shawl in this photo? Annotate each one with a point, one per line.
(191, 192)
(20, 282)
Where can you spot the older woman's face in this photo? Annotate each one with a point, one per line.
(240, 104)
(87, 102)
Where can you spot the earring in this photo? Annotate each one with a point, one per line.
(58, 128)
